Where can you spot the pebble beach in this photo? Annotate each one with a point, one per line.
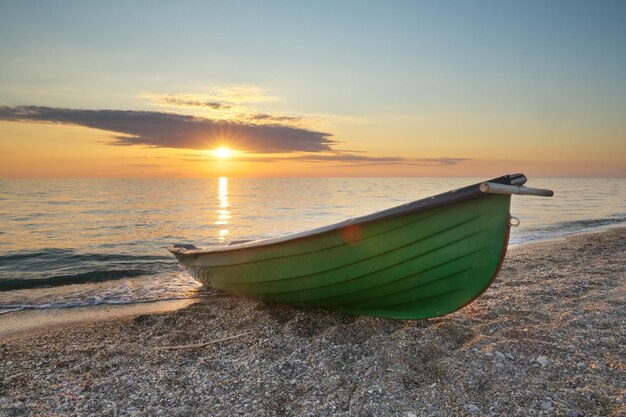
(547, 338)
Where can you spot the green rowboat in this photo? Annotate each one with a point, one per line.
(419, 260)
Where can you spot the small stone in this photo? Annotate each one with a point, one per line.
(411, 415)
(581, 365)
(433, 385)
(473, 409)
(543, 361)
(546, 405)
(577, 413)
(499, 354)
(508, 355)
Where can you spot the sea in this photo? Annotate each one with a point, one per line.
(82, 242)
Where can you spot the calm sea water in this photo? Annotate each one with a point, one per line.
(67, 243)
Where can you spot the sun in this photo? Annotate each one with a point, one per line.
(223, 152)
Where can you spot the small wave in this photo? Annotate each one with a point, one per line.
(22, 255)
(70, 254)
(80, 278)
(60, 266)
(160, 287)
(93, 301)
(566, 228)
(591, 223)
(11, 310)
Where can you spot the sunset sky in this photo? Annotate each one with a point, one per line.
(415, 88)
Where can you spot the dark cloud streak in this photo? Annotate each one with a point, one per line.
(177, 101)
(269, 117)
(349, 160)
(169, 130)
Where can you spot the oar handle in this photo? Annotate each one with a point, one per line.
(494, 188)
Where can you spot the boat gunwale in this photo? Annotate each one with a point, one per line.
(459, 195)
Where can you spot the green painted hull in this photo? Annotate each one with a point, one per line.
(408, 265)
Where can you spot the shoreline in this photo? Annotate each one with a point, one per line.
(24, 322)
(29, 322)
(547, 338)
(595, 229)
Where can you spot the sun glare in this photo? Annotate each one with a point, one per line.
(223, 152)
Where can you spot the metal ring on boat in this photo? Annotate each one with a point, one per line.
(514, 221)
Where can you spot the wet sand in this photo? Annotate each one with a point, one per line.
(28, 322)
(548, 338)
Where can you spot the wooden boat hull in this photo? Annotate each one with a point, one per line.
(417, 262)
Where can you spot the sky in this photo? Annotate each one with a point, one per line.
(351, 88)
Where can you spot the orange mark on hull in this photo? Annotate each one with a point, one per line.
(351, 234)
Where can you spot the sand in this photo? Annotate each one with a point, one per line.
(548, 338)
(29, 322)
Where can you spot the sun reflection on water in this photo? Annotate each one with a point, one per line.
(223, 214)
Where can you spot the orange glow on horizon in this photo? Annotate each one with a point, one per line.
(39, 150)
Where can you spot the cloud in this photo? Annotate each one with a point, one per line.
(168, 130)
(219, 97)
(243, 94)
(270, 118)
(383, 160)
(212, 107)
(150, 165)
(346, 159)
(236, 103)
(188, 100)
